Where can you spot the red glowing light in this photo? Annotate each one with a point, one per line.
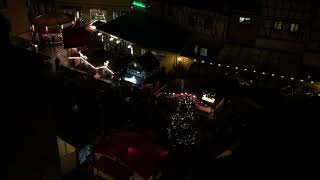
(132, 150)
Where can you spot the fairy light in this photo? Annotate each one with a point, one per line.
(181, 131)
(84, 58)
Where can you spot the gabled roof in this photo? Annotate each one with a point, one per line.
(148, 31)
(148, 61)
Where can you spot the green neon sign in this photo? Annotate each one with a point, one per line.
(139, 4)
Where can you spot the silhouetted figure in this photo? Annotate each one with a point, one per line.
(5, 28)
(57, 64)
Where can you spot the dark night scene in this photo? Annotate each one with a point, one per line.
(160, 89)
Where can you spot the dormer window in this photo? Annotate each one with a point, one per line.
(294, 27)
(278, 25)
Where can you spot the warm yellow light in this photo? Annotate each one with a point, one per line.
(208, 99)
(179, 58)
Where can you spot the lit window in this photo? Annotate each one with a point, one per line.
(244, 20)
(196, 49)
(114, 14)
(294, 27)
(278, 25)
(203, 51)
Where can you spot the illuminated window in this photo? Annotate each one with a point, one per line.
(114, 14)
(278, 25)
(244, 20)
(97, 15)
(196, 49)
(294, 27)
(203, 51)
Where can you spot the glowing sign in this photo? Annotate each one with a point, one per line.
(132, 79)
(208, 99)
(139, 4)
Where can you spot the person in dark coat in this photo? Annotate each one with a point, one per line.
(57, 64)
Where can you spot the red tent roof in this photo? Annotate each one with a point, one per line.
(75, 37)
(141, 155)
(113, 168)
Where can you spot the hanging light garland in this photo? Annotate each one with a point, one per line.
(262, 73)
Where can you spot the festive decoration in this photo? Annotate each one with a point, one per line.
(236, 68)
(181, 131)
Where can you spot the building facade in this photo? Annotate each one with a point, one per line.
(94, 10)
(271, 35)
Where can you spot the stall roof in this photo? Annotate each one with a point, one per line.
(140, 153)
(148, 61)
(75, 37)
(148, 31)
(52, 19)
(113, 168)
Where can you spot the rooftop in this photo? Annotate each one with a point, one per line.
(148, 31)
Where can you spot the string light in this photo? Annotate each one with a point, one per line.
(181, 131)
(84, 58)
(202, 61)
(272, 75)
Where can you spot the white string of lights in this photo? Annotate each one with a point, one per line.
(236, 68)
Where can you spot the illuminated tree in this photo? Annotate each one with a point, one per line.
(181, 129)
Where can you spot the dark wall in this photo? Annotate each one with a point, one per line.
(5, 28)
